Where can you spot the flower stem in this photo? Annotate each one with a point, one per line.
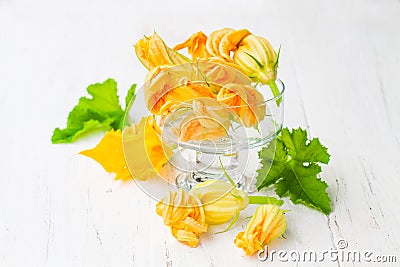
(275, 91)
(226, 174)
(260, 200)
(230, 224)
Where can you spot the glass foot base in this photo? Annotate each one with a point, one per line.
(188, 180)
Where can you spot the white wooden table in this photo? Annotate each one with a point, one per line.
(340, 62)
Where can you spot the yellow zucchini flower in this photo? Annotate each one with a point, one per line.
(246, 101)
(137, 151)
(184, 215)
(163, 90)
(221, 200)
(192, 129)
(209, 121)
(164, 104)
(222, 42)
(145, 154)
(109, 153)
(267, 224)
(153, 52)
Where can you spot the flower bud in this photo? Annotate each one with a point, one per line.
(221, 200)
(267, 223)
(257, 59)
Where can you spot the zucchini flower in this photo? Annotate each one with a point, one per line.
(192, 128)
(109, 153)
(221, 200)
(153, 52)
(184, 215)
(246, 102)
(210, 120)
(144, 151)
(258, 60)
(138, 150)
(222, 42)
(267, 224)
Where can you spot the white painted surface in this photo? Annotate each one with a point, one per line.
(340, 62)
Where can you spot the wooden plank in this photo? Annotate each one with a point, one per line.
(340, 64)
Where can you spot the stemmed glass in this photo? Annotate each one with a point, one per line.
(210, 115)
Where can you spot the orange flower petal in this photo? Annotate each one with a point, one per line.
(196, 45)
(230, 42)
(188, 238)
(214, 40)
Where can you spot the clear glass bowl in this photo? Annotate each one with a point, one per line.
(209, 115)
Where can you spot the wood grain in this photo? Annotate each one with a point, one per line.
(340, 62)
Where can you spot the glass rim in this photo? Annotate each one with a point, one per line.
(281, 91)
(197, 65)
(188, 104)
